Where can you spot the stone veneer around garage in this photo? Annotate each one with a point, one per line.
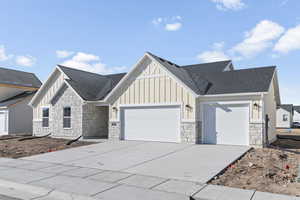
(256, 132)
(189, 131)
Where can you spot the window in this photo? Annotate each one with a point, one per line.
(45, 121)
(67, 117)
(285, 117)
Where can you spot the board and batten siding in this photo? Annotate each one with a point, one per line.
(52, 87)
(155, 86)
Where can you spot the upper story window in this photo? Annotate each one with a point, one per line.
(67, 117)
(285, 117)
(45, 117)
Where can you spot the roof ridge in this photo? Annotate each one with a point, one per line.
(80, 70)
(190, 65)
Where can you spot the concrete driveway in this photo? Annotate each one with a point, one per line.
(197, 163)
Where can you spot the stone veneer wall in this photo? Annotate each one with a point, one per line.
(66, 97)
(114, 131)
(94, 121)
(257, 134)
(189, 131)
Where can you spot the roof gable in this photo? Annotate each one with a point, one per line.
(90, 86)
(287, 107)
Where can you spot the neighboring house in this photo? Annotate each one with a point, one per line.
(284, 116)
(161, 101)
(296, 117)
(16, 90)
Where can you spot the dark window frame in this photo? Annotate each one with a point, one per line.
(45, 117)
(67, 117)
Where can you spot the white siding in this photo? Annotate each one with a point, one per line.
(154, 86)
(296, 117)
(48, 91)
(270, 110)
(280, 123)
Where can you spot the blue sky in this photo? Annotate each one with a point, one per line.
(110, 36)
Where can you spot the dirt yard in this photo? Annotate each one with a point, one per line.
(12, 148)
(273, 169)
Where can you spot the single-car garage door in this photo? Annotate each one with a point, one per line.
(155, 123)
(226, 124)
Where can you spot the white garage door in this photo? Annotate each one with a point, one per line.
(151, 123)
(226, 124)
(3, 123)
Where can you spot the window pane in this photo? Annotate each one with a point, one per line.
(45, 122)
(67, 122)
(67, 112)
(45, 112)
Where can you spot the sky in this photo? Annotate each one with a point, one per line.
(110, 36)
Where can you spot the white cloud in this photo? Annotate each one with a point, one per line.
(229, 4)
(289, 41)
(258, 39)
(157, 21)
(216, 54)
(26, 61)
(173, 27)
(91, 63)
(212, 56)
(169, 23)
(3, 55)
(84, 57)
(63, 53)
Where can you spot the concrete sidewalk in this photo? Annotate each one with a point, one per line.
(16, 191)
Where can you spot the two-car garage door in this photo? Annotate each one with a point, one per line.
(226, 124)
(151, 123)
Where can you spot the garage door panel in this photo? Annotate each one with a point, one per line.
(151, 123)
(227, 124)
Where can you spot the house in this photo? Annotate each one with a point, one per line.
(158, 100)
(284, 114)
(296, 117)
(16, 90)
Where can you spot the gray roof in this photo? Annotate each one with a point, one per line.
(203, 79)
(91, 86)
(19, 78)
(287, 107)
(193, 75)
(240, 81)
(297, 108)
(211, 78)
(15, 99)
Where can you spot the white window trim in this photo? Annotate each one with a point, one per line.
(45, 117)
(67, 117)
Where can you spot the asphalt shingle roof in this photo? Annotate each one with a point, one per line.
(210, 78)
(91, 86)
(203, 79)
(297, 108)
(287, 107)
(15, 99)
(240, 81)
(19, 78)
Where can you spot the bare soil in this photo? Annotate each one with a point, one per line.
(273, 169)
(11, 147)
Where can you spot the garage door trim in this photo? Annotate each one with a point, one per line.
(139, 106)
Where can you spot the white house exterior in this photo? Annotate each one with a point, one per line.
(158, 100)
(296, 117)
(16, 90)
(284, 116)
